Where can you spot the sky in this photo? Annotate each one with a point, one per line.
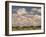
(26, 9)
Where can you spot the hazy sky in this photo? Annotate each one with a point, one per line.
(29, 10)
